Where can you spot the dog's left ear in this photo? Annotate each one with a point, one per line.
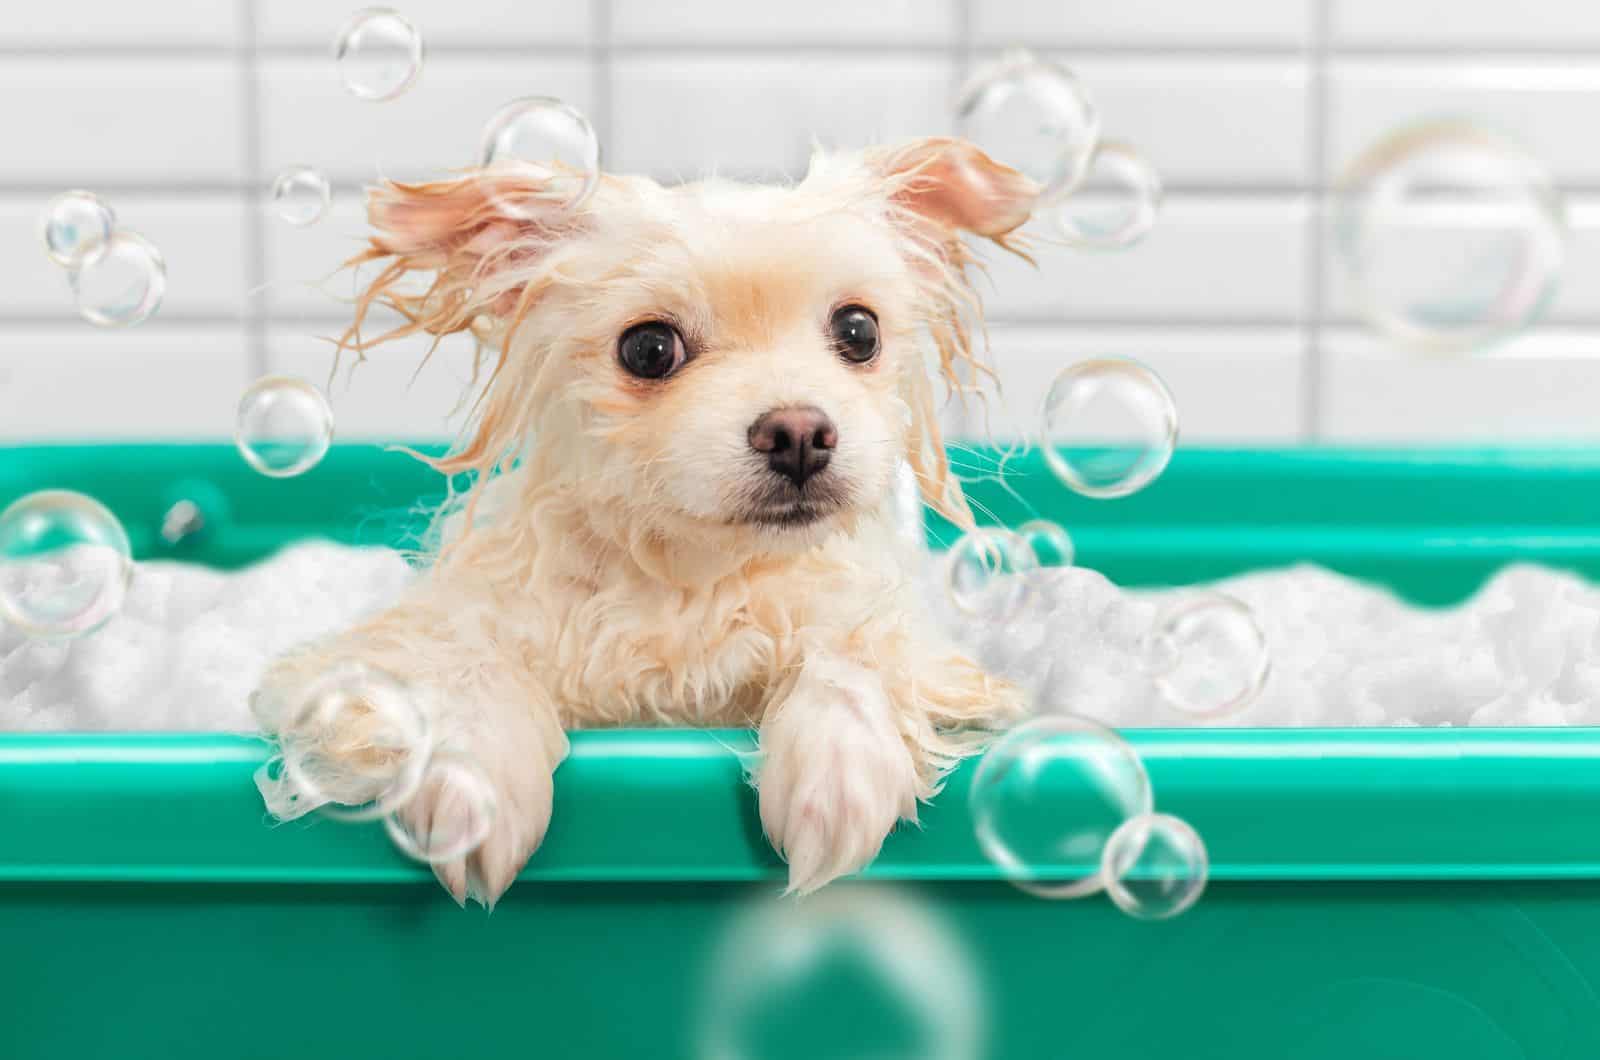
(953, 184)
(937, 190)
(478, 261)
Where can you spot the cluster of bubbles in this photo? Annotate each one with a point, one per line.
(1451, 236)
(360, 747)
(118, 277)
(1061, 804)
(1037, 117)
(66, 562)
(1063, 807)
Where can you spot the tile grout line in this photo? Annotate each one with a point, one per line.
(601, 73)
(1317, 157)
(1464, 54)
(255, 236)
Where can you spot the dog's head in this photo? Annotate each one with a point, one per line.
(738, 364)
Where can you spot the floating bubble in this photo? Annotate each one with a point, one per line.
(1108, 427)
(284, 426)
(548, 152)
(986, 572)
(1117, 204)
(1047, 796)
(1051, 544)
(1033, 116)
(123, 285)
(301, 195)
(379, 54)
(76, 226)
(358, 745)
(463, 811)
(1452, 237)
(852, 972)
(65, 564)
(1208, 655)
(1155, 867)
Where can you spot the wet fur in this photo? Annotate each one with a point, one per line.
(608, 565)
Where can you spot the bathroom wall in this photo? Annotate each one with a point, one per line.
(181, 111)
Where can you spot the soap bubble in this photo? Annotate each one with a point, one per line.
(1208, 655)
(75, 227)
(1051, 545)
(379, 54)
(464, 808)
(988, 570)
(542, 139)
(122, 285)
(65, 564)
(1033, 116)
(1117, 204)
(1155, 867)
(284, 426)
(1451, 236)
(852, 972)
(357, 745)
(300, 195)
(1047, 796)
(1108, 427)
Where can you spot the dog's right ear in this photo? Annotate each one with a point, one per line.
(482, 261)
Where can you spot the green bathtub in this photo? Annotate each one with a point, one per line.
(1405, 893)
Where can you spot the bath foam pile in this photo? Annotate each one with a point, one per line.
(191, 643)
(1524, 650)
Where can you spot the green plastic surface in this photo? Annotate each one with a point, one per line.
(1406, 893)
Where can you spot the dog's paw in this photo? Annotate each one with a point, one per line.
(364, 752)
(835, 773)
(445, 811)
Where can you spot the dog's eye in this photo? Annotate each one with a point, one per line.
(855, 333)
(650, 351)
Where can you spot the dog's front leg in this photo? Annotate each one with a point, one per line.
(836, 772)
(485, 705)
(848, 750)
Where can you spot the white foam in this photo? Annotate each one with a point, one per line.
(190, 644)
(1524, 650)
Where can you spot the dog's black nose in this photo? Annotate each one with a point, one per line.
(798, 442)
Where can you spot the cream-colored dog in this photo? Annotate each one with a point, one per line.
(683, 461)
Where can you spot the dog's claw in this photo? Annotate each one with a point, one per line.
(489, 870)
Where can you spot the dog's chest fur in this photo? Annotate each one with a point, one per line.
(631, 650)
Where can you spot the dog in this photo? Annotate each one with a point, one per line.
(681, 462)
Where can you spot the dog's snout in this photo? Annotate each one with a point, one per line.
(798, 442)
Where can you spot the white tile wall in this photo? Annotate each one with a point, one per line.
(1213, 260)
(393, 393)
(157, 381)
(693, 23)
(314, 24)
(181, 111)
(675, 115)
(1535, 24)
(1146, 23)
